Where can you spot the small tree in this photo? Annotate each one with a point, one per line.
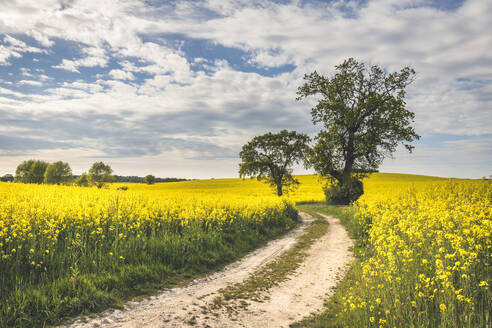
(82, 180)
(149, 179)
(58, 172)
(7, 178)
(31, 171)
(100, 174)
(271, 156)
(363, 112)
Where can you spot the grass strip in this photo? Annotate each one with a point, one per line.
(275, 272)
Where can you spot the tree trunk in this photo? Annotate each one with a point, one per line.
(279, 189)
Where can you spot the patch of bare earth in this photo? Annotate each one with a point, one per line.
(196, 304)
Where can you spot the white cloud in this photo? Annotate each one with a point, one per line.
(119, 74)
(14, 48)
(41, 38)
(44, 77)
(6, 53)
(445, 47)
(31, 82)
(94, 57)
(68, 65)
(25, 72)
(9, 92)
(16, 43)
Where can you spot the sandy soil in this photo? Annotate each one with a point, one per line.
(292, 300)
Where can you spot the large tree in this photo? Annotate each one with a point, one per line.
(270, 157)
(100, 174)
(58, 172)
(31, 171)
(364, 116)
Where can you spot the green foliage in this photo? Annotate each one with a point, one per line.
(7, 178)
(82, 180)
(149, 179)
(100, 174)
(31, 171)
(342, 194)
(271, 156)
(58, 173)
(364, 117)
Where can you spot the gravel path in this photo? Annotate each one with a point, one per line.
(292, 300)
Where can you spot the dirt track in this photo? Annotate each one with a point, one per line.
(292, 300)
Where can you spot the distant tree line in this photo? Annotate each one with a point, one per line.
(7, 178)
(137, 179)
(60, 173)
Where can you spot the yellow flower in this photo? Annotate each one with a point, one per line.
(442, 307)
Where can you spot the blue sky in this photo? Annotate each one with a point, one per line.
(175, 88)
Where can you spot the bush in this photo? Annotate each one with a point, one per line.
(343, 194)
(82, 181)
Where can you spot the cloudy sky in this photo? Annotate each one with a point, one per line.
(175, 88)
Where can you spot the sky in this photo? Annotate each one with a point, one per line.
(175, 88)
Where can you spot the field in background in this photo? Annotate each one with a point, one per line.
(309, 189)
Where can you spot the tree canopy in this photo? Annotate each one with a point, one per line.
(100, 174)
(57, 173)
(7, 178)
(82, 180)
(31, 171)
(364, 116)
(271, 156)
(149, 179)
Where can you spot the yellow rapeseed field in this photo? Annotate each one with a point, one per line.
(57, 242)
(33, 217)
(428, 254)
(426, 244)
